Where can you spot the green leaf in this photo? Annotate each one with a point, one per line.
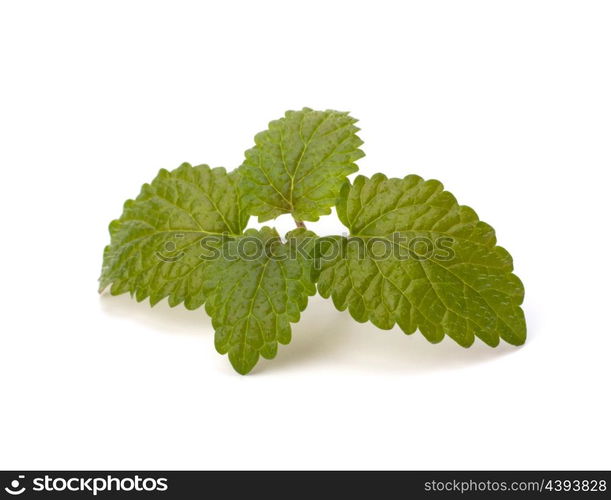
(158, 242)
(299, 164)
(256, 290)
(436, 267)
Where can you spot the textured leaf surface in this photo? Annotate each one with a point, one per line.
(156, 244)
(253, 300)
(299, 164)
(470, 293)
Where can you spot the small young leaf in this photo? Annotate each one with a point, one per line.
(437, 267)
(156, 245)
(299, 164)
(255, 291)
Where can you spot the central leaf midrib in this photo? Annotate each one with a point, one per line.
(249, 315)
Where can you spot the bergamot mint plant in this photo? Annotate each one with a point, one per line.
(411, 256)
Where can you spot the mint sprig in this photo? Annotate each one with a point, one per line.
(413, 256)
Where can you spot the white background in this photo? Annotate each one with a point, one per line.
(508, 103)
